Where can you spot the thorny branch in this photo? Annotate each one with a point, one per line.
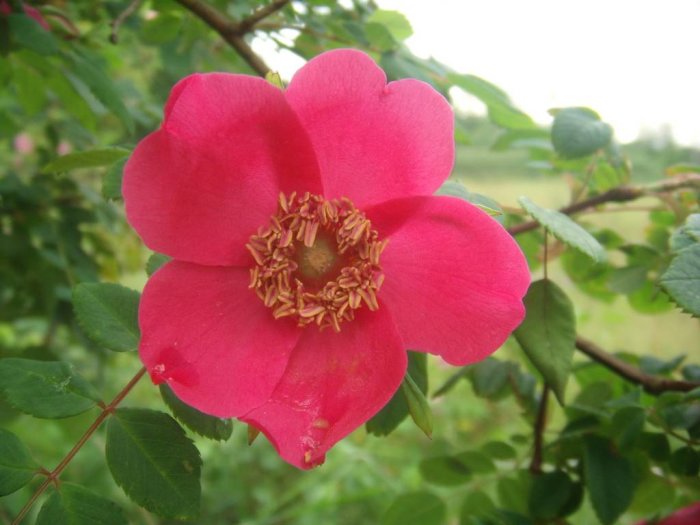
(52, 477)
(232, 31)
(654, 385)
(620, 194)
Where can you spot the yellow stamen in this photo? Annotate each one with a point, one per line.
(317, 262)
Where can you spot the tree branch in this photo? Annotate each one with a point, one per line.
(247, 24)
(52, 477)
(117, 22)
(619, 194)
(540, 424)
(231, 31)
(651, 384)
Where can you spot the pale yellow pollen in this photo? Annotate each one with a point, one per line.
(317, 261)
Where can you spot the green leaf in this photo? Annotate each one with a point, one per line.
(509, 117)
(627, 280)
(549, 494)
(490, 377)
(17, 468)
(682, 280)
(30, 89)
(86, 159)
(676, 169)
(76, 505)
(482, 89)
(155, 261)
(109, 314)
(71, 100)
(650, 299)
(161, 29)
(416, 508)
(203, 424)
(565, 229)
(452, 381)
(499, 450)
(627, 425)
(26, 32)
(476, 504)
(274, 78)
(445, 470)
(418, 405)
(380, 37)
(610, 479)
(687, 235)
(46, 389)
(396, 23)
(522, 138)
(476, 461)
(450, 470)
(154, 462)
(653, 494)
(656, 445)
(500, 109)
(396, 410)
(101, 86)
(112, 182)
(548, 333)
(455, 189)
(513, 492)
(685, 461)
(578, 132)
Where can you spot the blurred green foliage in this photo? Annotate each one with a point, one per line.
(95, 83)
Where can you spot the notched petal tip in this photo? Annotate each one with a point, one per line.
(374, 141)
(333, 384)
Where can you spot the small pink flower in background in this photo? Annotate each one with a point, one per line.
(309, 252)
(6, 9)
(64, 147)
(689, 515)
(23, 143)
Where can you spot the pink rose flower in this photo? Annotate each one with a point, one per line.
(6, 9)
(309, 252)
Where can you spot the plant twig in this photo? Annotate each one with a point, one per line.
(540, 424)
(231, 31)
(247, 24)
(622, 193)
(117, 22)
(52, 476)
(654, 385)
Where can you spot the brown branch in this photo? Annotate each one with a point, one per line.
(247, 24)
(654, 385)
(117, 22)
(231, 31)
(540, 424)
(619, 194)
(52, 477)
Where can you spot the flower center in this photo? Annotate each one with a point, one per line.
(317, 261)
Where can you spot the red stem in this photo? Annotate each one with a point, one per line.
(52, 476)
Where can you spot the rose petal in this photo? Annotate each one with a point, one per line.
(210, 177)
(373, 141)
(334, 383)
(211, 339)
(454, 278)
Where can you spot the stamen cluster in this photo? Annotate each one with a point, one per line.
(347, 265)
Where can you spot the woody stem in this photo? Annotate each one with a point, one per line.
(52, 477)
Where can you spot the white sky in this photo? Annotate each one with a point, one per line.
(634, 61)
